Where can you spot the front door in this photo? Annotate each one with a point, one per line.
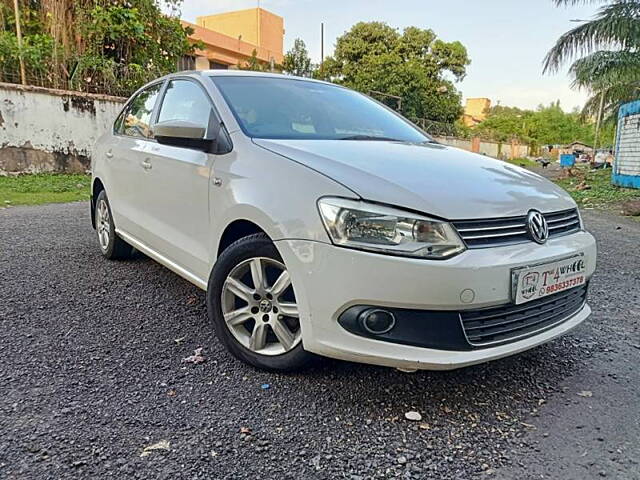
(178, 205)
(129, 176)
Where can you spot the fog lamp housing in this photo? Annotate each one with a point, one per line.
(377, 321)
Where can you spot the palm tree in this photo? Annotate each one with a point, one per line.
(606, 54)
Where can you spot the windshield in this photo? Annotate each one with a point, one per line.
(281, 108)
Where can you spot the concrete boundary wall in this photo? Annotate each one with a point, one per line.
(46, 130)
(491, 149)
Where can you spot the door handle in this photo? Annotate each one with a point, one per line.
(109, 154)
(146, 164)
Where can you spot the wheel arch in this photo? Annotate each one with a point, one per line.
(236, 230)
(96, 187)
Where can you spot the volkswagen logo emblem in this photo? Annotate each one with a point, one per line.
(537, 227)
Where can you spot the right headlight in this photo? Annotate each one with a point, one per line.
(379, 228)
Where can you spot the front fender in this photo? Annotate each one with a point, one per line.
(269, 190)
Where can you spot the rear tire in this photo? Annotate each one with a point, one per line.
(111, 245)
(252, 305)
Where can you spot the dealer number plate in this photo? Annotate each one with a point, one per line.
(532, 283)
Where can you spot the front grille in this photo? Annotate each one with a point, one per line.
(506, 231)
(511, 322)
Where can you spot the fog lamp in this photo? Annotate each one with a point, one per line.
(377, 321)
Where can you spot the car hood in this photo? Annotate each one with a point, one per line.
(434, 179)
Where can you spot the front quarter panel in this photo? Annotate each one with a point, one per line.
(99, 168)
(275, 193)
(97, 156)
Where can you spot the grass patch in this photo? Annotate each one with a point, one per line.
(523, 162)
(602, 194)
(36, 189)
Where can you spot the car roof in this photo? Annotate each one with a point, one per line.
(243, 73)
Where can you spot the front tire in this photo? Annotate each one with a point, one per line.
(251, 302)
(111, 245)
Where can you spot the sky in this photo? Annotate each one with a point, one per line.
(506, 39)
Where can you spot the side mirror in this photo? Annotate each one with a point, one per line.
(181, 133)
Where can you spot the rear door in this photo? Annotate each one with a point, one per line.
(129, 172)
(178, 203)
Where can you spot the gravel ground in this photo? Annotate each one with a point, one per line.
(92, 373)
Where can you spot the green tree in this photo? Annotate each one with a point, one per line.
(109, 46)
(504, 123)
(253, 63)
(605, 53)
(131, 44)
(547, 125)
(297, 61)
(38, 48)
(414, 65)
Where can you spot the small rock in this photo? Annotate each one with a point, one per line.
(402, 460)
(585, 393)
(196, 358)
(161, 445)
(413, 416)
(631, 208)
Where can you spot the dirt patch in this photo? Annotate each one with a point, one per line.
(27, 159)
(81, 104)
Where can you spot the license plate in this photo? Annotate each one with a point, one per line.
(532, 283)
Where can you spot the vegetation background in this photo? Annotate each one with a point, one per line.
(101, 46)
(115, 46)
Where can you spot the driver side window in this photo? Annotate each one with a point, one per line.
(136, 118)
(185, 100)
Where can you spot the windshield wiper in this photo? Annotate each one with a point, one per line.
(370, 137)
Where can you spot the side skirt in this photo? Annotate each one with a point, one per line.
(174, 267)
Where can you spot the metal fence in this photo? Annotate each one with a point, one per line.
(91, 81)
(437, 129)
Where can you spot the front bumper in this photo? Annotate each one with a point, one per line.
(328, 280)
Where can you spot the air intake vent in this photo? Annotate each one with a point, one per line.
(511, 322)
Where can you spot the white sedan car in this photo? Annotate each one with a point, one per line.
(321, 222)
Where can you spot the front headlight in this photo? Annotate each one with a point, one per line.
(377, 228)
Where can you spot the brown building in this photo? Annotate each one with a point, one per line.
(231, 38)
(475, 111)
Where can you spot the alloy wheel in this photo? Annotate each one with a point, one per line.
(103, 224)
(259, 306)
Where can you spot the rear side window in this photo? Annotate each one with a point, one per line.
(135, 120)
(185, 100)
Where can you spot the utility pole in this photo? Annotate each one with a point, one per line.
(23, 76)
(598, 121)
(321, 44)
